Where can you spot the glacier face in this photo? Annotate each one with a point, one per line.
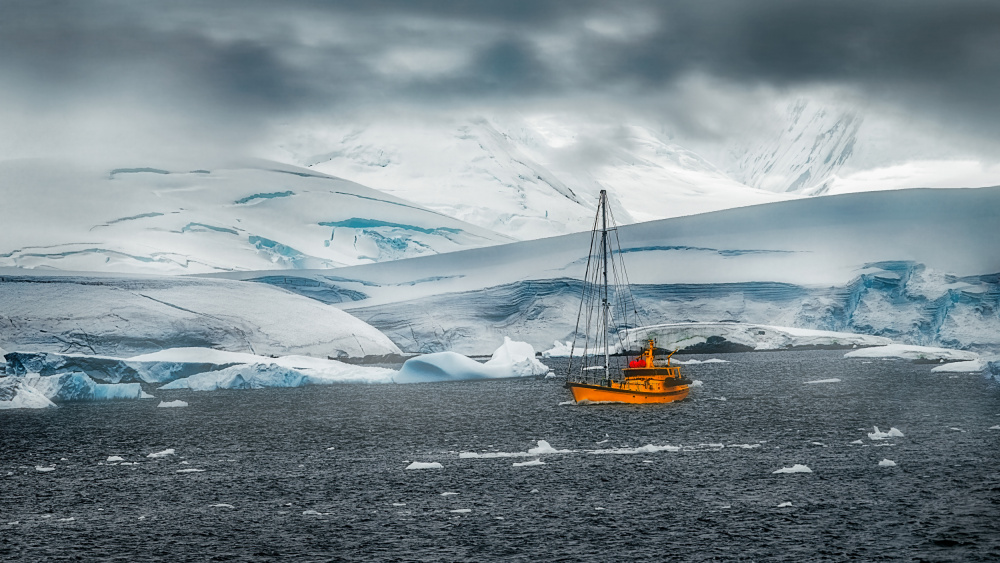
(124, 316)
(909, 265)
(242, 215)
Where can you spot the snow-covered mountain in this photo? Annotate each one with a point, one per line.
(525, 177)
(801, 151)
(909, 264)
(247, 215)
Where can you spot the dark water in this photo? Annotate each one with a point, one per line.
(265, 453)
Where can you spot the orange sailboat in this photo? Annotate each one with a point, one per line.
(598, 375)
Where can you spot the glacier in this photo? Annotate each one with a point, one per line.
(906, 265)
(121, 316)
(240, 214)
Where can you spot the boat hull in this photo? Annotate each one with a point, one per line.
(601, 394)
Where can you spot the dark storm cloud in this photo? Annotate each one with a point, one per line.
(238, 65)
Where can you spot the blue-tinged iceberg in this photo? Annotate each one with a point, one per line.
(15, 394)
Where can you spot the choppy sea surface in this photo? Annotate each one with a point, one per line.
(319, 473)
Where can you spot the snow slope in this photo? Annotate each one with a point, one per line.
(911, 265)
(526, 177)
(244, 215)
(127, 315)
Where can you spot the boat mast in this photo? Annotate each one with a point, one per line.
(604, 263)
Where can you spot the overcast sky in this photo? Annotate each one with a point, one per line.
(127, 77)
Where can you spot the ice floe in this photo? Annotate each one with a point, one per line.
(221, 505)
(191, 470)
(114, 458)
(511, 359)
(997, 427)
(461, 510)
(968, 366)
(879, 435)
(887, 463)
(831, 380)
(448, 493)
(44, 469)
(785, 505)
(694, 362)
(164, 453)
(542, 448)
(797, 468)
(528, 463)
(425, 465)
(914, 353)
(647, 449)
(172, 404)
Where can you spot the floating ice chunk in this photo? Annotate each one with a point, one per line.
(879, 435)
(913, 353)
(544, 447)
(784, 505)
(15, 394)
(696, 383)
(164, 453)
(968, 366)
(859, 442)
(956, 429)
(129, 463)
(423, 465)
(461, 510)
(744, 446)
(448, 494)
(529, 463)
(647, 461)
(115, 458)
(647, 449)
(44, 469)
(997, 427)
(191, 470)
(221, 505)
(70, 519)
(887, 463)
(598, 508)
(797, 468)
(510, 360)
(313, 513)
(331, 448)
(831, 380)
(172, 404)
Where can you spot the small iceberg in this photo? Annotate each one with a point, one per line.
(164, 453)
(511, 359)
(529, 463)
(797, 468)
(784, 505)
(172, 404)
(114, 458)
(879, 435)
(425, 465)
(14, 394)
(887, 463)
(968, 366)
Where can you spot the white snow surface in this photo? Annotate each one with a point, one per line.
(914, 353)
(522, 175)
(124, 316)
(210, 217)
(797, 468)
(15, 394)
